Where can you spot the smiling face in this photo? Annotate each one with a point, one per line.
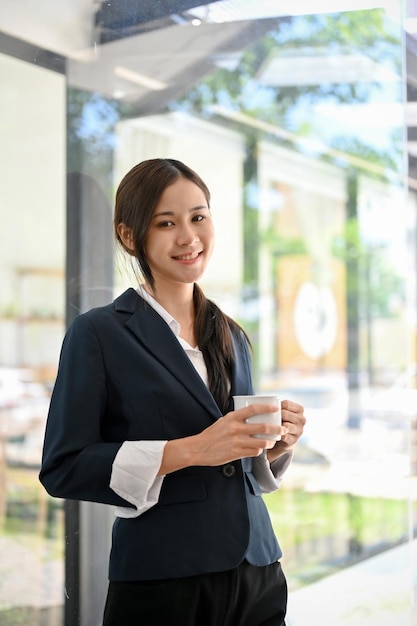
(180, 238)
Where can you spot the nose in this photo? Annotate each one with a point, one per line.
(187, 235)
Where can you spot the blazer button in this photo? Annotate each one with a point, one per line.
(228, 470)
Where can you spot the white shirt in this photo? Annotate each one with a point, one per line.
(136, 465)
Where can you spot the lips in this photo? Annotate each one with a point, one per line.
(187, 257)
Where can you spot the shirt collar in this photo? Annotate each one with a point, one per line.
(172, 322)
(198, 361)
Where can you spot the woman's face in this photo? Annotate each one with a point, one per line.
(180, 238)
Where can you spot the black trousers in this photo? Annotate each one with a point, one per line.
(245, 596)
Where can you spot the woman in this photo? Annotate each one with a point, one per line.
(141, 417)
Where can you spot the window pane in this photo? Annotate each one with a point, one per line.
(32, 154)
(293, 113)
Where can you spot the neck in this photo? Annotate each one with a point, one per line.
(177, 300)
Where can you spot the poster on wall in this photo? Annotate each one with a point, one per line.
(310, 281)
(312, 318)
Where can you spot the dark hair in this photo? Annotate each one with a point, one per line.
(136, 199)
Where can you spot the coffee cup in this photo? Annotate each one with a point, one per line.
(261, 418)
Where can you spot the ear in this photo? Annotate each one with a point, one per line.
(126, 237)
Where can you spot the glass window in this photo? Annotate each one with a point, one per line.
(297, 115)
(32, 206)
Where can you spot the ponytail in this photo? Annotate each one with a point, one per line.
(213, 330)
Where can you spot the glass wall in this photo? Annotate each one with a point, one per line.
(32, 253)
(299, 116)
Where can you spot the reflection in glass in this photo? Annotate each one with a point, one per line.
(296, 122)
(31, 326)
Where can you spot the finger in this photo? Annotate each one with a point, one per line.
(256, 409)
(292, 407)
(293, 416)
(268, 432)
(243, 415)
(294, 432)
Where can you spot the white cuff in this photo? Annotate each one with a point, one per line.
(134, 475)
(268, 475)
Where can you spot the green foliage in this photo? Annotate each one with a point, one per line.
(367, 33)
(32, 616)
(378, 288)
(283, 246)
(323, 532)
(387, 160)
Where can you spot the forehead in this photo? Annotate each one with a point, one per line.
(182, 194)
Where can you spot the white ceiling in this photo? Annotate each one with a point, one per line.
(62, 26)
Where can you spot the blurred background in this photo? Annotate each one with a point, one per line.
(301, 116)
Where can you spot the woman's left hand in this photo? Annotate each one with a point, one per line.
(292, 416)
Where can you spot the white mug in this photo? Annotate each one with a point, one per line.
(261, 418)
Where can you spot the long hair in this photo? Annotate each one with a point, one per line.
(136, 199)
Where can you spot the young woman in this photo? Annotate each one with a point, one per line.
(141, 417)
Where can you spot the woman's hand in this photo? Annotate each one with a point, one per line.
(292, 417)
(228, 439)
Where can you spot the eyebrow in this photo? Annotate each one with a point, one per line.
(192, 210)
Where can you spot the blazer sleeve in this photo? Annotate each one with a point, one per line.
(76, 462)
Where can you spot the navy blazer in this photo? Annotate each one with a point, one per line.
(124, 376)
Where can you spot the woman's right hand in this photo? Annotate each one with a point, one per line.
(228, 439)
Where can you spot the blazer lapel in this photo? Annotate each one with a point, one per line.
(154, 333)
